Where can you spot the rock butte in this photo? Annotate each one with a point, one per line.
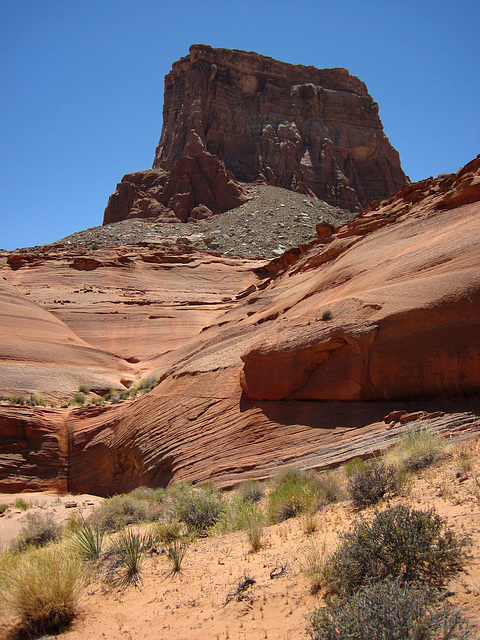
(253, 378)
(233, 117)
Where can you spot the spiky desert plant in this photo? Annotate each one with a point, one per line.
(88, 542)
(176, 553)
(129, 547)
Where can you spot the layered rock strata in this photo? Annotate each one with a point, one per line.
(232, 117)
(272, 379)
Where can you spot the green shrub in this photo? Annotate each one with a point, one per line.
(250, 491)
(371, 483)
(399, 543)
(17, 399)
(42, 588)
(3, 507)
(327, 315)
(37, 400)
(79, 398)
(198, 507)
(354, 466)
(118, 512)
(84, 388)
(38, 530)
(390, 610)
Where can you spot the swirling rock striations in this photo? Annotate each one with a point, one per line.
(233, 117)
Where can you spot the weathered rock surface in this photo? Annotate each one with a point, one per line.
(270, 379)
(232, 117)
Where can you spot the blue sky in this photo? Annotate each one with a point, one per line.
(82, 87)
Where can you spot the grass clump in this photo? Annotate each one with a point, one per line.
(21, 504)
(119, 511)
(168, 530)
(327, 315)
(371, 483)
(84, 388)
(42, 588)
(3, 507)
(417, 449)
(399, 543)
(390, 610)
(254, 529)
(39, 530)
(313, 564)
(296, 492)
(79, 398)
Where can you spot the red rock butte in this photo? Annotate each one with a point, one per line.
(234, 117)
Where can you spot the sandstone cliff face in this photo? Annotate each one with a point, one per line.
(234, 116)
(240, 391)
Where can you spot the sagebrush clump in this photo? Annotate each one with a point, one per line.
(399, 543)
(390, 610)
(372, 482)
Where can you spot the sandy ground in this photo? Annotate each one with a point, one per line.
(201, 602)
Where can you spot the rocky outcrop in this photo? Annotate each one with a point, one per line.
(233, 116)
(293, 362)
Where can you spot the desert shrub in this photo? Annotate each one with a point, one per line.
(327, 315)
(38, 530)
(399, 543)
(37, 400)
(144, 493)
(235, 516)
(198, 507)
(79, 398)
(21, 504)
(250, 491)
(118, 512)
(3, 507)
(390, 610)
(84, 388)
(295, 492)
(17, 399)
(371, 483)
(147, 384)
(87, 542)
(42, 588)
(129, 548)
(417, 449)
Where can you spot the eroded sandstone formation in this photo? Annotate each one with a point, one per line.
(268, 378)
(233, 117)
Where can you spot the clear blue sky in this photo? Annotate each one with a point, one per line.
(82, 87)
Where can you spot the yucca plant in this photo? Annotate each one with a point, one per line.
(176, 553)
(88, 542)
(129, 548)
